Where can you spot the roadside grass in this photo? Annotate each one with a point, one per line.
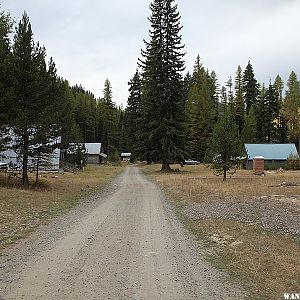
(266, 262)
(22, 210)
(198, 183)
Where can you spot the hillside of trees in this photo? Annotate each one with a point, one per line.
(169, 117)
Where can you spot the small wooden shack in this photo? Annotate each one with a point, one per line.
(92, 152)
(258, 165)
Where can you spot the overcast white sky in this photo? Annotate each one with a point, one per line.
(91, 40)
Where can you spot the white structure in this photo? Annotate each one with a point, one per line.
(125, 156)
(92, 152)
(14, 161)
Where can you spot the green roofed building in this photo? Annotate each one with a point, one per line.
(272, 153)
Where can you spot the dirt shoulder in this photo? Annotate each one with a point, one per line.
(22, 211)
(251, 222)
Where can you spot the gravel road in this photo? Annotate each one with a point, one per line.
(122, 243)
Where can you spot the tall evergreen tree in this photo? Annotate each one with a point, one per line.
(239, 99)
(187, 83)
(249, 131)
(279, 86)
(250, 87)
(33, 116)
(5, 70)
(229, 86)
(260, 114)
(134, 117)
(223, 99)
(270, 115)
(123, 143)
(281, 122)
(202, 112)
(70, 131)
(292, 107)
(107, 93)
(110, 120)
(87, 117)
(163, 93)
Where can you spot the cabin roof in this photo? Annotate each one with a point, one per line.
(271, 151)
(93, 148)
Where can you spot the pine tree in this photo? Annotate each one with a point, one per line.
(270, 115)
(33, 116)
(239, 100)
(134, 117)
(107, 93)
(110, 119)
(201, 111)
(187, 83)
(214, 91)
(70, 131)
(163, 93)
(229, 86)
(249, 132)
(5, 73)
(223, 99)
(281, 122)
(124, 144)
(225, 147)
(292, 107)
(260, 115)
(86, 114)
(250, 87)
(279, 86)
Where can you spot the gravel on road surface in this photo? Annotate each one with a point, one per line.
(122, 243)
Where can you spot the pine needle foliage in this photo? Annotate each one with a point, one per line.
(34, 116)
(162, 86)
(225, 147)
(133, 117)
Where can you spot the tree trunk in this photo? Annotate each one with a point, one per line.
(165, 167)
(37, 170)
(148, 159)
(25, 179)
(224, 172)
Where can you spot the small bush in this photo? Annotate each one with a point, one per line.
(293, 163)
(271, 166)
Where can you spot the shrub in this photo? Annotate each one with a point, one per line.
(293, 162)
(271, 166)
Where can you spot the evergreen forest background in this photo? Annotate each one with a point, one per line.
(169, 116)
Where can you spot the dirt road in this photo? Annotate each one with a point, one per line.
(124, 243)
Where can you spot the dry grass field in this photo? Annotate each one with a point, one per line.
(22, 210)
(251, 223)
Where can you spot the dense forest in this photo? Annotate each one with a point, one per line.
(169, 117)
(193, 116)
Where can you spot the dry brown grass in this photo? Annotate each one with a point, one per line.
(198, 183)
(23, 210)
(266, 262)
